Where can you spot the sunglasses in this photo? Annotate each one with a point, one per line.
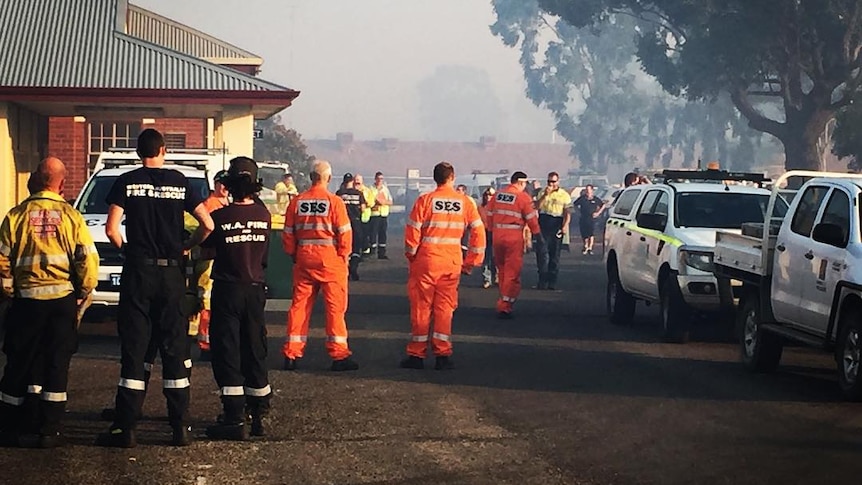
(552, 181)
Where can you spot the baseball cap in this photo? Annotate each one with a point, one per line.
(220, 176)
(518, 176)
(243, 166)
(348, 177)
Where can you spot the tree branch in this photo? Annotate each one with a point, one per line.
(756, 119)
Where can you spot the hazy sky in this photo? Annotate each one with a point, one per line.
(358, 62)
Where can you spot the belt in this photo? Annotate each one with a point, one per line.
(159, 262)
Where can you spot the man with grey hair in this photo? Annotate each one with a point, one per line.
(318, 236)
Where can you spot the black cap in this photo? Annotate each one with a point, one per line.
(348, 177)
(243, 166)
(517, 176)
(220, 176)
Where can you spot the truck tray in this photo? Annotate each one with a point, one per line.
(742, 252)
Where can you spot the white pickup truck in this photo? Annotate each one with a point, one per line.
(802, 277)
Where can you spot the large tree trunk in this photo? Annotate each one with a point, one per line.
(800, 141)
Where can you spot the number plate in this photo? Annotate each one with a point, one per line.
(115, 279)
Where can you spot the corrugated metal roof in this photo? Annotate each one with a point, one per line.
(154, 28)
(75, 44)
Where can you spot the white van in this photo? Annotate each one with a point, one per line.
(210, 160)
(91, 203)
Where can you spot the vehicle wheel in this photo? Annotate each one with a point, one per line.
(620, 303)
(675, 314)
(761, 351)
(850, 356)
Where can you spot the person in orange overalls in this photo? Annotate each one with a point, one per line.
(432, 244)
(508, 213)
(317, 235)
(203, 267)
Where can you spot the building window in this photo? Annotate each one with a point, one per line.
(105, 136)
(175, 141)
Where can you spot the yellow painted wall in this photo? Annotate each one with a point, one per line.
(20, 151)
(235, 129)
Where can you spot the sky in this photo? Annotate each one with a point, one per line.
(358, 63)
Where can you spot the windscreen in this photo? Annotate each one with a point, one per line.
(93, 200)
(723, 210)
(270, 176)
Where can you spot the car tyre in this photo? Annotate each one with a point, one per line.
(675, 314)
(849, 356)
(620, 303)
(761, 351)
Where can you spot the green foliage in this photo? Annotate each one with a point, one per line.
(585, 73)
(847, 140)
(283, 145)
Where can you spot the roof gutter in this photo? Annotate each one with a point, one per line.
(148, 96)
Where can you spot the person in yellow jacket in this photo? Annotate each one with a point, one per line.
(49, 266)
(284, 191)
(382, 200)
(369, 195)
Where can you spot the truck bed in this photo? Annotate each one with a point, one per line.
(744, 252)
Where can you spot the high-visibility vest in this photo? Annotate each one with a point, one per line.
(47, 249)
(381, 210)
(369, 195)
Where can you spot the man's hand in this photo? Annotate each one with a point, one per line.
(410, 257)
(466, 269)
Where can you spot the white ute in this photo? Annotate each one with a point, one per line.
(659, 242)
(802, 278)
(91, 203)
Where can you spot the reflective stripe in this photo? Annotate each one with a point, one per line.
(297, 338)
(420, 338)
(12, 400)
(508, 299)
(531, 215)
(314, 226)
(414, 224)
(45, 290)
(287, 230)
(444, 224)
(656, 234)
(204, 337)
(262, 392)
(504, 212)
(176, 383)
(187, 363)
(442, 240)
(5, 250)
(381, 245)
(148, 367)
(34, 389)
(344, 228)
(54, 396)
(411, 251)
(336, 339)
(55, 259)
(478, 250)
(132, 384)
(231, 391)
(490, 213)
(90, 249)
(317, 242)
(476, 223)
(440, 336)
(508, 226)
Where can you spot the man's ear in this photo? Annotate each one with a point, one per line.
(62, 186)
(163, 151)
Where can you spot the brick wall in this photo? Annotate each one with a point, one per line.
(194, 129)
(67, 141)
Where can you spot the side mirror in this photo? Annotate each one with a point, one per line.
(831, 234)
(656, 222)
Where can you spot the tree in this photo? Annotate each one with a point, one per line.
(457, 103)
(284, 145)
(806, 54)
(589, 79)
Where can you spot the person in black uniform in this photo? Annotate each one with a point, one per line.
(153, 200)
(590, 208)
(355, 203)
(237, 324)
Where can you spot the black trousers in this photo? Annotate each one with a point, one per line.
(150, 309)
(357, 227)
(548, 256)
(41, 337)
(379, 227)
(238, 348)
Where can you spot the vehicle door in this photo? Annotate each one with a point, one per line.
(642, 239)
(826, 261)
(656, 248)
(618, 233)
(792, 267)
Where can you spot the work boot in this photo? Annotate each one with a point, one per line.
(257, 426)
(443, 363)
(181, 435)
(44, 441)
(117, 438)
(228, 432)
(344, 365)
(289, 364)
(412, 362)
(486, 284)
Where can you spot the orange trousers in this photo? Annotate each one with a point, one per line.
(204, 330)
(431, 294)
(305, 290)
(509, 258)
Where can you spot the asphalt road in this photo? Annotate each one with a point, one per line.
(556, 396)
